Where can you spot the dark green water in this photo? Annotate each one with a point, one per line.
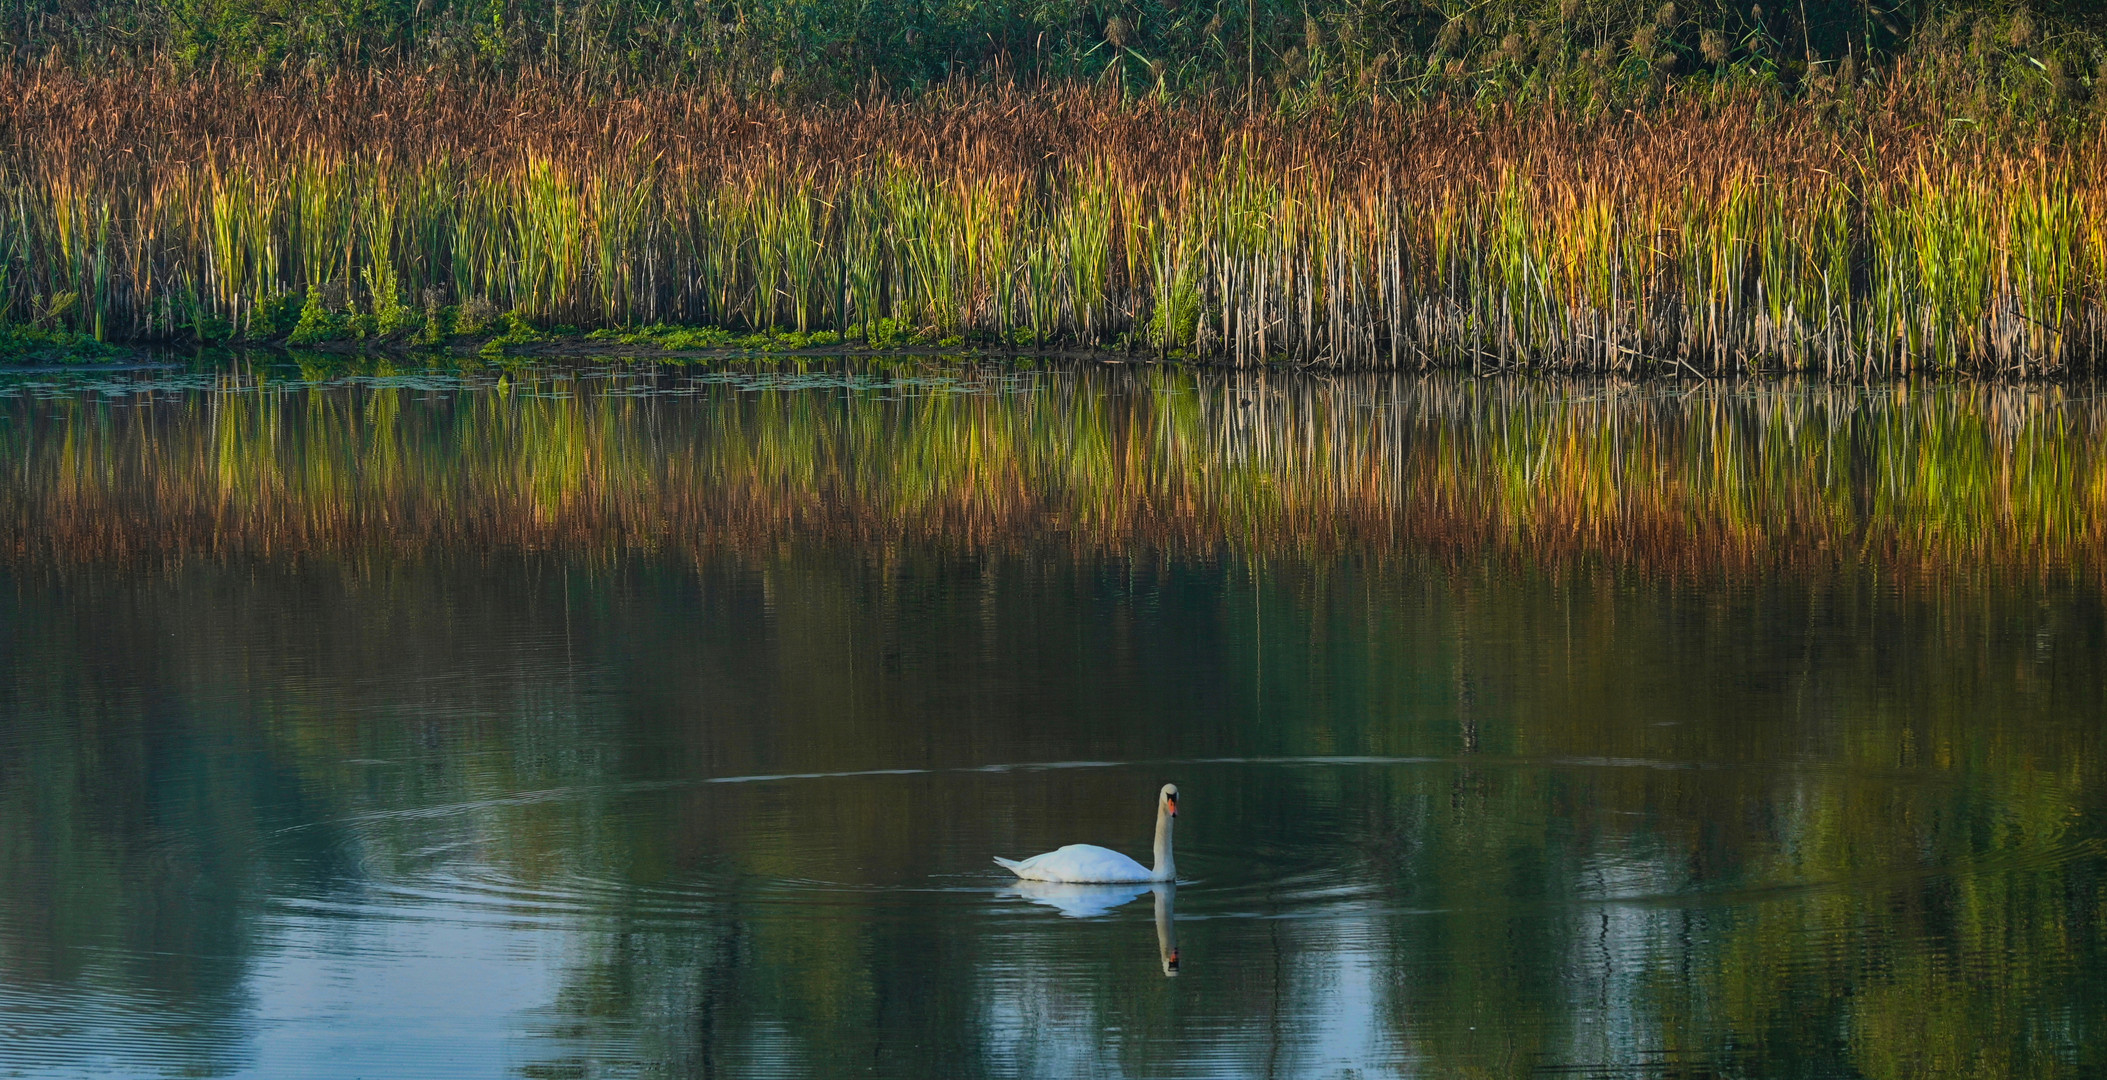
(587, 807)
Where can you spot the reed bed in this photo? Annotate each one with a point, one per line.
(1704, 236)
(1915, 482)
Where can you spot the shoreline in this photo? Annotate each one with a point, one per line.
(585, 347)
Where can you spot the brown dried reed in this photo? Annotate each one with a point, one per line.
(1707, 236)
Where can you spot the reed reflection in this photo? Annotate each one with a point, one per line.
(1922, 479)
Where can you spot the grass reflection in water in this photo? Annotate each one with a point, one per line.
(1916, 478)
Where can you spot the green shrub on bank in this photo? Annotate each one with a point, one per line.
(884, 333)
(27, 344)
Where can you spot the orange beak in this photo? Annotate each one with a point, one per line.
(1172, 802)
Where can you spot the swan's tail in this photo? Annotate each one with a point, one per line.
(1010, 865)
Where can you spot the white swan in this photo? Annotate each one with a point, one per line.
(1093, 864)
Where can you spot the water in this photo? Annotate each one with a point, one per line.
(581, 723)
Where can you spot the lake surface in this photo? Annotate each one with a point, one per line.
(663, 721)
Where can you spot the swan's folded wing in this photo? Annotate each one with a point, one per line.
(1083, 862)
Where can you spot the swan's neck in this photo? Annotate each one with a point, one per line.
(1166, 867)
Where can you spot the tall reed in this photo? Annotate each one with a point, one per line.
(1709, 236)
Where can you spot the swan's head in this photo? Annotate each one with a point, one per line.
(1170, 799)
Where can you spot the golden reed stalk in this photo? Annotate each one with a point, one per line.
(1705, 236)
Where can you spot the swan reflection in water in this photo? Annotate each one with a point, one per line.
(1079, 901)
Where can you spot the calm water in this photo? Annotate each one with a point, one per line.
(592, 723)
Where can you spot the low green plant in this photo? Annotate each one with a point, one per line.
(515, 330)
(316, 324)
(437, 325)
(29, 344)
(276, 317)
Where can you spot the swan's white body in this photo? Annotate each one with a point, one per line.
(1080, 864)
(1088, 863)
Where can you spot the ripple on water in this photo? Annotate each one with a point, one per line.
(432, 862)
(101, 1029)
